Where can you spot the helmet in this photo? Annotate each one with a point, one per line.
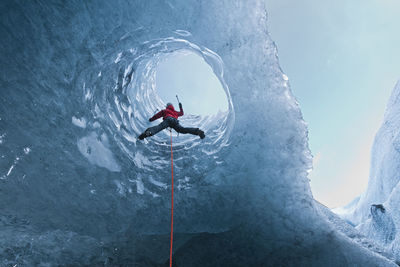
(169, 104)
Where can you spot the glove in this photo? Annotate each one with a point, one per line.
(151, 119)
(180, 105)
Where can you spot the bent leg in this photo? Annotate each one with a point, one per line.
(158, 128)
(153, 130)
(186, 130)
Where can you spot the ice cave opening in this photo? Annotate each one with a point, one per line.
(170, 67)
(81, 190)
(186, 74)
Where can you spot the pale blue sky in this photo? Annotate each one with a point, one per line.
(343, 59)
(187, 75)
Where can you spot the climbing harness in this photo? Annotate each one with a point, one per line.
(172, 201)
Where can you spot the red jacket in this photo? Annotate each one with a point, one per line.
(168, 112)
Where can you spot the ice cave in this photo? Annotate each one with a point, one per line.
(78, 189)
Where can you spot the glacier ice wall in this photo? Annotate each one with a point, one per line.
(77, 85)
(376, 212)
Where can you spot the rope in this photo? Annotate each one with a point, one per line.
(172, 203)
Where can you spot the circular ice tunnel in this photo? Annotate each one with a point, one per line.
(186, 74)
(123, 96)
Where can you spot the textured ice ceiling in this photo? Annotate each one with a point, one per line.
(77, 87)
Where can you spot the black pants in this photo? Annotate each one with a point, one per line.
(173, 123)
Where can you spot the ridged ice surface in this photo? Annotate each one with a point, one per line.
(376, 213)
(121, 98)
(76, 188)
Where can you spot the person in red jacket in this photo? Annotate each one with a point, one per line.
(170, 119)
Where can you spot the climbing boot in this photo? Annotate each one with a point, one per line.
(201, 134)
(146, 133)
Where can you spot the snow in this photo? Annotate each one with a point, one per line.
(95, 149)
(244, 198)
(79, 122)
(2, 137)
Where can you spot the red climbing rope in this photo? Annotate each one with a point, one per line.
(172, 203)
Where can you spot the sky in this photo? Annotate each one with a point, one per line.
(343, 59)
(187, 75)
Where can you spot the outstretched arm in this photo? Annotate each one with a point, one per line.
(180, 113)
(157, 115)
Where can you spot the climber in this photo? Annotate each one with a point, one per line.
(170, 119)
